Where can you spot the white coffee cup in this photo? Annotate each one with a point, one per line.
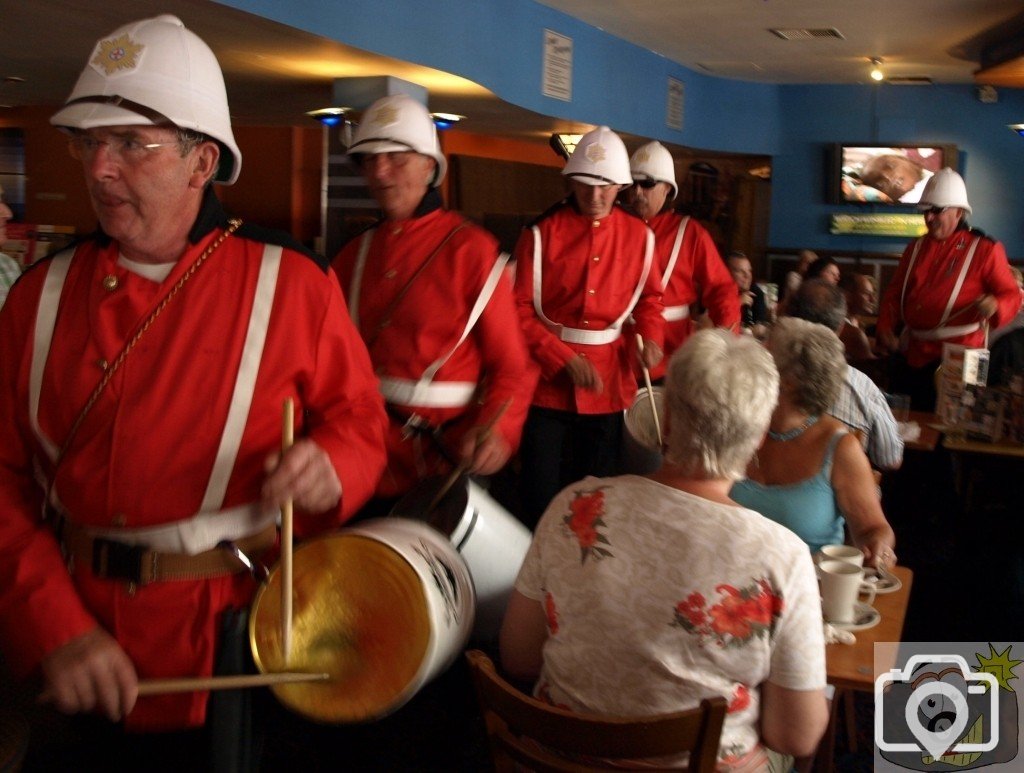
(841, 582)
(847, 553)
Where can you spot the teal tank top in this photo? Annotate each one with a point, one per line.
(808, 508)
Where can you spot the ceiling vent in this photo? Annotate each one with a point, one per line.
(909, 80)
(807, 34)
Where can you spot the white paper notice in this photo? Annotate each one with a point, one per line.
(674, 112)
(557, 77)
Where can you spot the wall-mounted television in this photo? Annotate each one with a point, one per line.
(881, 173)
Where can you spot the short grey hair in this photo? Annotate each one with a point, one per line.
(820, 301)
(720, 392)
(811, 362)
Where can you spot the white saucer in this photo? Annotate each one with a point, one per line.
(864, 616)
(881, 580)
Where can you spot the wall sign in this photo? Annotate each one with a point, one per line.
(674, 111)
(557, 74)
(878, 224)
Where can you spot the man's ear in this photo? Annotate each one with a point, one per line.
(205, 159)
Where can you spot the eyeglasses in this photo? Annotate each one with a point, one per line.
(934, 211)
(645, 184)
(128, 149)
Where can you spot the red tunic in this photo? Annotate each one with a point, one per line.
(936, 271)
(144, 453)
(591, 269)
(699, 274)
(427, 322)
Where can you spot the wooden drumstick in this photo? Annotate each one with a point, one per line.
(287, 438)
(650, 390)
(485, 433)
(197, 684)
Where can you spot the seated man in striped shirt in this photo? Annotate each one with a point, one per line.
(860, 405)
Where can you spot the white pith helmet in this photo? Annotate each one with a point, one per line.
(395, 124)
(155, 71)
(945, 189)
(653, 162)
(600, 158)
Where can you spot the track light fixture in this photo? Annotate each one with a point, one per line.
(876, 69)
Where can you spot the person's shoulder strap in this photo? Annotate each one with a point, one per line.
(830, 452)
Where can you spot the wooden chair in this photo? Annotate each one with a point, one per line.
(534, 734)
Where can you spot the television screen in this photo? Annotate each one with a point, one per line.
(886, 174)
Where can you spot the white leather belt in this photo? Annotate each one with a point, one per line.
(426, 394)
(675, 313)
(574, 335)
(196, 534)
(942, 333)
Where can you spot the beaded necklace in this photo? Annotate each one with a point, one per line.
(782, 437)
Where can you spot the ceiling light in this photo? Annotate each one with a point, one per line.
(565, 144)
(876, 70)
(1017, 127)
(329, 116)
(446, 120)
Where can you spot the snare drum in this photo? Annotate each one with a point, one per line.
(382, 607)
(491, 540)
(641, 451)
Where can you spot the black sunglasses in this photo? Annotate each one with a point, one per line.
(645, 184)
(934, 210)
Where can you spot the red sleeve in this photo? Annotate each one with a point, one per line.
(648, 313)
(1000, 282)
(39, 607)
(510, 374)
(545, 347)
(345, 410)
(717, 288)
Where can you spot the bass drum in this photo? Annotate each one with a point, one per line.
(490, 539)
(382, 607)
(641, 451)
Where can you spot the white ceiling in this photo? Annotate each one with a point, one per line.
(731, 38)
(274, 72)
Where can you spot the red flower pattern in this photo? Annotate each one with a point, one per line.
(584, 518)
(740, 614)
(740, 699)
(551, 612)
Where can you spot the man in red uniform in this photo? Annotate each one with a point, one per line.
(142, 376)
(582, 269)
(950, 285)
(431, 297)
(691, 269)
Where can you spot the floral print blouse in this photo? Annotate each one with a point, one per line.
(656, 598)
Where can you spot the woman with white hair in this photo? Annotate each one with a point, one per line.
(811, 474)
(642, 595)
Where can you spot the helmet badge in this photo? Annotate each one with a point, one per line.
(595, 153)
(384, 115)
(118, 53)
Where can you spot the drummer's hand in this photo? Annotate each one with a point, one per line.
(584, 374)
(305, 475)
(90, 672)
(485, 456)
(986, 306)
(651, 354)
(886, 342)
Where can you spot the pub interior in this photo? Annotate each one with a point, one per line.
(756, 161)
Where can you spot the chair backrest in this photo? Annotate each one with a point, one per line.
(545, 738)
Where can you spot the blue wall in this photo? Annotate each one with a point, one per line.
(991, 156)
(498, 44)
